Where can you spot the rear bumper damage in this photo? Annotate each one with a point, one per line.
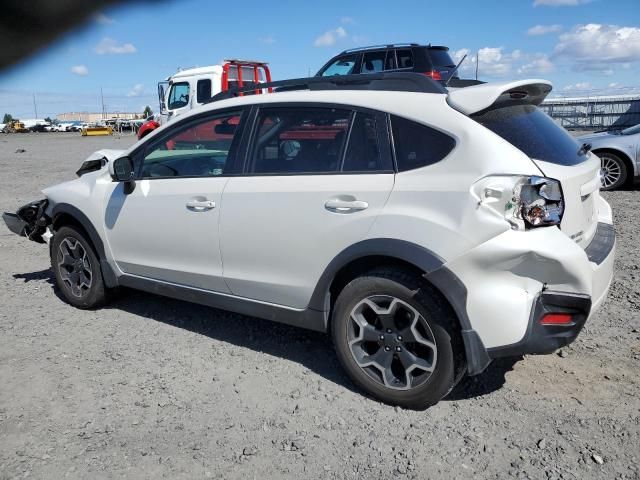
(29, 221)
(515, 280)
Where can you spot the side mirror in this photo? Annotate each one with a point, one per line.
(122, 171)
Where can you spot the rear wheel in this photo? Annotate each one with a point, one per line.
(77, 269)
(614, 171)
(395, 337)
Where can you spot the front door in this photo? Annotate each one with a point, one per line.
(167, 228)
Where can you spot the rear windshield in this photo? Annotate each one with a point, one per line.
(534, 132)
(441, 58)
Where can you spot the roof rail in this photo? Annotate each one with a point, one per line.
(250, 62)
(372, 47)
(387, 81)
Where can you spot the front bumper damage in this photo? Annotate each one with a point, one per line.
(29, 221)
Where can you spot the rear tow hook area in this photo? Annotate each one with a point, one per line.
(29, 221)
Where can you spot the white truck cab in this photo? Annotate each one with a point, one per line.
(190, 88)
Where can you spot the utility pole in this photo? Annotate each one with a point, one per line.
(35, 107)
(102, 101)
(477, 62)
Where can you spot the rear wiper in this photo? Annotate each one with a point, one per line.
(584, 149)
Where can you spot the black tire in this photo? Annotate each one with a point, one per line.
(80, 262)
(614, 171)
(447, 359)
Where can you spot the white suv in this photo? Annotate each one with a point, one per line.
(428, 230)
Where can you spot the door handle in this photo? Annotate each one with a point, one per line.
(201, 205)
(345, 206)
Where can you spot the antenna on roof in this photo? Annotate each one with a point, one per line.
(446, 84)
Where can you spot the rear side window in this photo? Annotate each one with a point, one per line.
(405, 58)
(390, 62)
(299, 140)
(365, 152)
(341, 66)
(373, 62)
(204, 90)
(529, 129)
(417, 145)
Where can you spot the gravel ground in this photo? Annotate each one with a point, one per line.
(157, 388)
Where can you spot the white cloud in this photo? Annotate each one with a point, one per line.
(102, 19)
(108, 46)
(539, 64)
(268, 40)
(136, 91)
(600, 43)
(559, 3)
(538, 30)
(347, 20)
(494, 62)
(578, 86)
(328, 39)
(81, 70)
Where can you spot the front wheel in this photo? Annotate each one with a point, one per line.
(614, 171)
(395, 338)
(77, 269)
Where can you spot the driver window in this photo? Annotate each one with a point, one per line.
(179, 95)
(299, 140)
(200, 150)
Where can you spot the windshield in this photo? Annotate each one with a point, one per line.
(631, 130)
(534, 132)
(341, 66)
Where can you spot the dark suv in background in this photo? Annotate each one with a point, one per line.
(430, 60)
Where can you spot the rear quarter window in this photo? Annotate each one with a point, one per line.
(417, 145)
(533, 132)
(441, 58)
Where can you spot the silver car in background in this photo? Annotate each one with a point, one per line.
(619, 152)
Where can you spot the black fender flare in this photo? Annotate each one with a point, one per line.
(109, 276)
(435, 272)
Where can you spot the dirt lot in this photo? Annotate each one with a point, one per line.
(156, 388)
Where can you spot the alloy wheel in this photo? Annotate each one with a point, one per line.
(391, 342)
(74, 266)
(611, 171)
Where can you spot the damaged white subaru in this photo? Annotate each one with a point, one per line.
(427, 230)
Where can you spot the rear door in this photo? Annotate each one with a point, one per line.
(306, 195)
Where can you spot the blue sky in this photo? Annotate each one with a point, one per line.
(583, 46)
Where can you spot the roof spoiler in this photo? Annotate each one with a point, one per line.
(478, 98)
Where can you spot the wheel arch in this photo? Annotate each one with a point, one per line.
(372, 253)
(628, 163)
(64, 214)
